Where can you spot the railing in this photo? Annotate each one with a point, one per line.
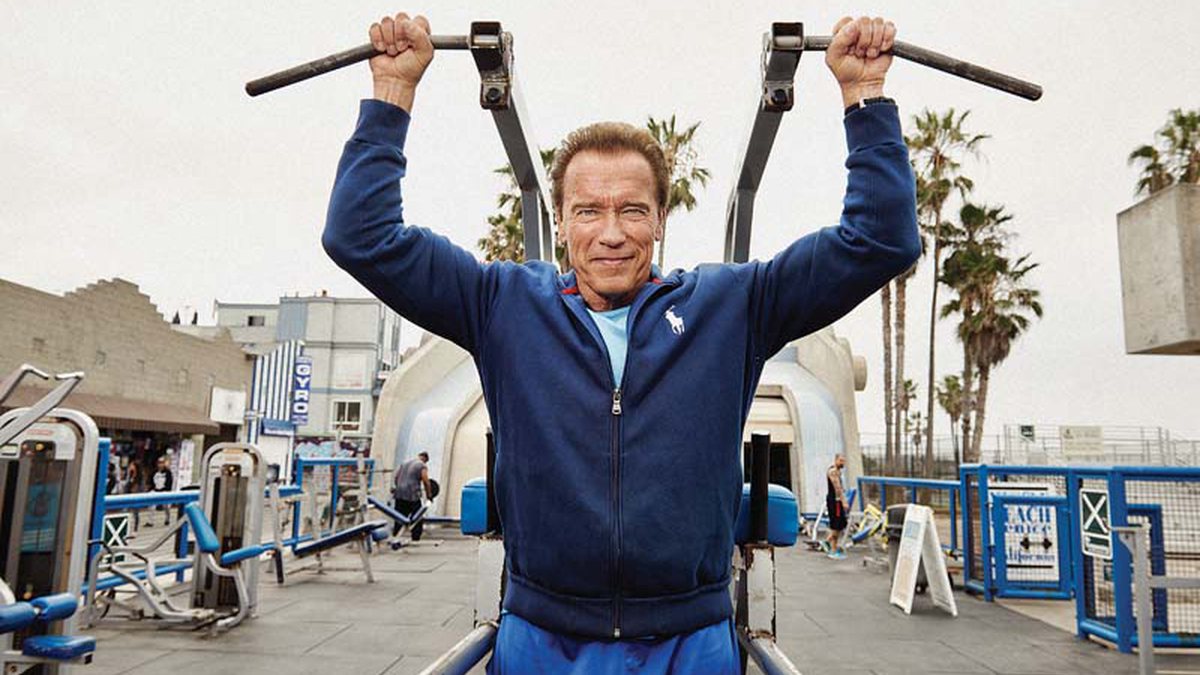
(1030, 531)
(177, 499)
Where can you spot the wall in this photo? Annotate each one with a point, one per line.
(1159, 242)
(112, 332)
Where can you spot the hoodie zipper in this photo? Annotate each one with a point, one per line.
(615, 413)
(616, 491)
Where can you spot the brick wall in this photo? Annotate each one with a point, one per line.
(111, 331)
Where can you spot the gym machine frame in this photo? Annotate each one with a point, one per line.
(492, 49)
(783, 46)
(26, 434)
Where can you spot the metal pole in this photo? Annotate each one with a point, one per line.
(1131, 537)
(946, 64)
(468, 652)
(760, 475)
(493, 515)
(767, 655)
(339, 60)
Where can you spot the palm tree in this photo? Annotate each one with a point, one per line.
(950, 397)
(885, 296)
(936, 149)
(901, 400)
(1001, 319)
(1176, 159)
(679, 151)
(505, 239)
(1182, 137)
(905, 395)
(971, 271)
(1155, 174)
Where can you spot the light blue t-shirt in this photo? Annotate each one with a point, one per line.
(612, 329)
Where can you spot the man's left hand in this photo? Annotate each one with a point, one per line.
(860, 55)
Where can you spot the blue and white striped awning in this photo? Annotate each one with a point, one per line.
(271, 389)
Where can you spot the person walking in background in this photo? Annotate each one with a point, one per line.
(163, 480)
(837, 507)
(411, 478)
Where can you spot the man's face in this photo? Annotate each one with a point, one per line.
(840, 461)
(610, 220)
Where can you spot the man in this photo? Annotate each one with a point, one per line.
(618, 394)
(163, 480)
(411, 477)
(836, 507)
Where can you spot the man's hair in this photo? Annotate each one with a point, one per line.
(609, 138)
(423, 455)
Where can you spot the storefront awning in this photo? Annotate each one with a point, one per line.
(112, 412)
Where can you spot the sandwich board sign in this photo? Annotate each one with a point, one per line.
(1096, 531)
(919, 546)
(1030, 536)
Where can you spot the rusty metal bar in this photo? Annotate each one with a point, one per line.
(349, 57)
(938, 61)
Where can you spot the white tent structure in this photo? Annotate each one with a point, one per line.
(805, 399)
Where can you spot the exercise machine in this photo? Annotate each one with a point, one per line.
(47, 479)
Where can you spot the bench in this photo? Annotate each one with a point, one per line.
(58, 648)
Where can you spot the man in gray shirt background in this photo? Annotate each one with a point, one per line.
(411, 477)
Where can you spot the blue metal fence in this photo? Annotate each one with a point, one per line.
(1022, 530)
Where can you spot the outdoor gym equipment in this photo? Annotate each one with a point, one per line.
(226, 521)
(783, 46)
(47, 478)
(491, 48)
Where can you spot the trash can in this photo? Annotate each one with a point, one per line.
(895, 529)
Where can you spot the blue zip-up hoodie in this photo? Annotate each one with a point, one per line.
(618, 505)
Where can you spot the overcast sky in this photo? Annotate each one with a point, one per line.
(128, 148)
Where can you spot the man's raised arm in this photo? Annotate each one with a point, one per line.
(822, 276)
(421, 275)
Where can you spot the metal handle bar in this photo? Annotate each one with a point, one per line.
(38, 410)
(333, 62)
(14, 378)
(931, 59)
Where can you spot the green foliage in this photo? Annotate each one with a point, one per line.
(682, 158)
(936, 150)
(950, 396)
(1175, 156)
(505, 239)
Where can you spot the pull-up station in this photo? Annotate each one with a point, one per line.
(783, 46)
(492, 49)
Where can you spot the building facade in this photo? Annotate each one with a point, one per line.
(150, 389)
(349, 346)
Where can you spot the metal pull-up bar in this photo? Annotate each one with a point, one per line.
(946, 64)
(350, 57)
(782, 48)
(491, 48)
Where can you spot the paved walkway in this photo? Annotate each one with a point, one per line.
(833, 619)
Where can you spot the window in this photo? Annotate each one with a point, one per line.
(39, 345)
(347, 415)
(256, 320)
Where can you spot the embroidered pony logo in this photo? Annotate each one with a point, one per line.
(675, 321)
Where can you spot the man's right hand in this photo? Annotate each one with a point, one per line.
(407, 53)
